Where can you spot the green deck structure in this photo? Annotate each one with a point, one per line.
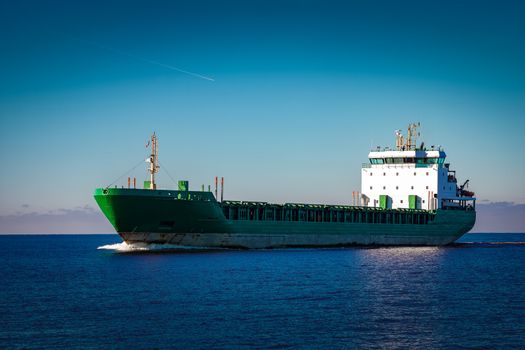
(412, 201)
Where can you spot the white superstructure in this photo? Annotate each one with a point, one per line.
(410, 177)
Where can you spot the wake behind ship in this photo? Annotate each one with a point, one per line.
(409, 196)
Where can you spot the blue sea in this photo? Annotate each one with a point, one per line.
(90, 292)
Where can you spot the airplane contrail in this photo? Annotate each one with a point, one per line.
(124, 53)
(158, 63)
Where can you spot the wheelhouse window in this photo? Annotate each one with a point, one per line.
(376, 161)
(430, 160)
(407, 160)
(395, 160)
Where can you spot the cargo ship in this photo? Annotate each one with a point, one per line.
(409, 196)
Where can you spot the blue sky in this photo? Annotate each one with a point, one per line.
(302, 90)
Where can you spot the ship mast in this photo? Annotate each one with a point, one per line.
(412, 136)
(408, 143)
(153, 162)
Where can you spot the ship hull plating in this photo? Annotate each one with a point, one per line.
(276, 240)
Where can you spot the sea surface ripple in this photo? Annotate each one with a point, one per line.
(60, 291)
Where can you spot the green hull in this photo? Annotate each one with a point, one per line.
(192, 218)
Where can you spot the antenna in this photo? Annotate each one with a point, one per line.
(399, 140)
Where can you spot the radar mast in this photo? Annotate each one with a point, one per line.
(412, 136)
(408, 143)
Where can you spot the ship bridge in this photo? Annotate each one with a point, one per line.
(411, 177)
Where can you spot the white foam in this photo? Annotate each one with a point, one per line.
(124, 247)
(138, 247)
